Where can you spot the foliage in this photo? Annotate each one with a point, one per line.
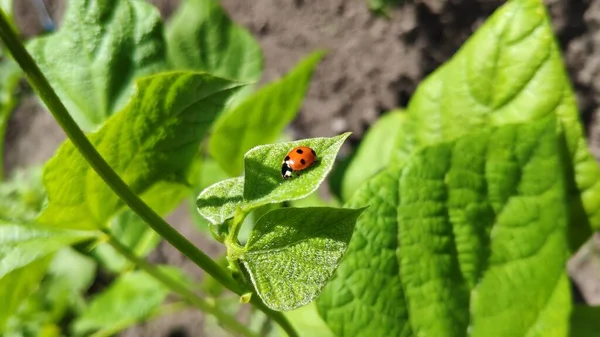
(102, 47)
(261, 118)
(456, 214)
(490, 188)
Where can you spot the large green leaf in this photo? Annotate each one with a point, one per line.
(468, 238)
(153, 139)
(365, 295)
(25, 252)
(201, 36)
(102, 47)
(261, 118)
(133, 231)
(375, 151)
(292, 252)
(509, 71)
(262, 175)
(132, 298)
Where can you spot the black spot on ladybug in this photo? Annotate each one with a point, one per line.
(299, 151)
(313, 152)
(302, 161)
(286, 158)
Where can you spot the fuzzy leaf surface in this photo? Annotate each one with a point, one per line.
(292, 252)
(153, 139)
(218, 202)
(263, 183)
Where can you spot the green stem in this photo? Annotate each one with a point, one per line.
(164, 310)
(183, 291)
(40, 84)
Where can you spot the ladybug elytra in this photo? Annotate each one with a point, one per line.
(298, 159)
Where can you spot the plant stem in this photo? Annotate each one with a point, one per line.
(40, 84)
(164, 310)
(176, 286)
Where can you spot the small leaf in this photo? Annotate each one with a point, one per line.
(263, 182)
(102, 47)
(261, 118)
(292, 252)
(375, 151)
(132, 231)
(153, 139)
(25, 252)
(218, 202)
(204, 173)
(202, 37)
(132, 298)
(510, 71)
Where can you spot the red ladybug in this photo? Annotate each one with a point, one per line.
(298, 159)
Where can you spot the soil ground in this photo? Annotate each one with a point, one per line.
(373, 65)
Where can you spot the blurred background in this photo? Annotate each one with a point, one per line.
(376, 57)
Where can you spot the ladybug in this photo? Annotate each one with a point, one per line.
(298, 159)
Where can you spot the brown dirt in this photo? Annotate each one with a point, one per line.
(373, 65)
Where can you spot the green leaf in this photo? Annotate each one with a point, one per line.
(69, 275)
(132, 231)
(263, 183)
(584, 321)
(153, 139)
(374, 153)
(205, 172)
(510, 71)
(307, 321)
(18, 285)
(132, 298)
(482, 224)
(22, 197)
(10, 74)
(261, 118)
(292, 252)
(218, 202)
(102, 47)
(25, 252)
(365, 295)
(201, 36)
